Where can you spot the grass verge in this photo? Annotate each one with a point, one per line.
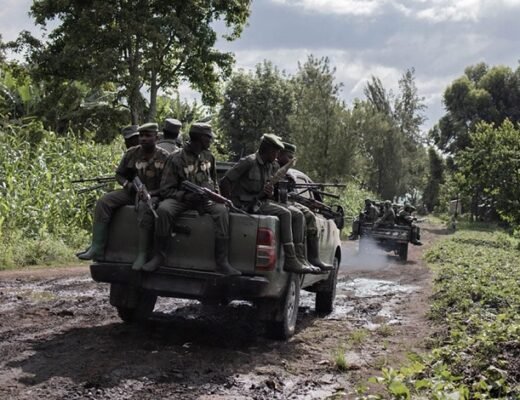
(476, 306)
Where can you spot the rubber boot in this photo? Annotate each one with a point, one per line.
(300, 255)
(159, 257)
(292, 264)
(99, 241)
(416, 236)
(142, 248)
(222, 258)
(313, 253)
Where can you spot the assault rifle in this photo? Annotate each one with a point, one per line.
(328, 212)
(144, 194)
(279, 175)
(317, 188)
(211, 195)
(100, 180)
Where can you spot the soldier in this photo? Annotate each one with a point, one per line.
(170, 140)
(147, 162)
(406, 217)
(388, 217)
(131, 136)
(248, 182)
(369, 214)
(196, 164)
(311, 227)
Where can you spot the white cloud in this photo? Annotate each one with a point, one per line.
(350, 7)
(431, 10)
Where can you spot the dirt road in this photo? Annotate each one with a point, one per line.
(60, 339)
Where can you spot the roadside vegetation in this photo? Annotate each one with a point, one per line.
(476, 302)
(42, 217)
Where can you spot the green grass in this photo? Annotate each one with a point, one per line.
(339, 359)
(476, 305)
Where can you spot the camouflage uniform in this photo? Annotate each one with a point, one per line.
(199, 169)
(248, 178)
(388, 217)
(405, 216)
(170, 145)
(369, 214)
(133, 164)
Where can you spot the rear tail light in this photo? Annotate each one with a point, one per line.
(265, 250)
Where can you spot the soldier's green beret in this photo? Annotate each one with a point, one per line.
(273, 139)
(149, 127)
(129, 131)
(289, 148)
(172, 125)
(201, 128)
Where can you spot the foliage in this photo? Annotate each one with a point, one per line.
(476, 302)
(37, 199)
(150, 43)
(320, 124)
(434, 179)
(254, 104)
(481, 94)
(490, 166)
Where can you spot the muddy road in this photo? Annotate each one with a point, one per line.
(60, 338)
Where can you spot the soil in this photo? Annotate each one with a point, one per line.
(61, 339)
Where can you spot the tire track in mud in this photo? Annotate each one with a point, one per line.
(60, 339)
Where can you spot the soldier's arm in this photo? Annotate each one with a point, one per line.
(124, 174)
(170, 181)
(232, 176)
(213, 174)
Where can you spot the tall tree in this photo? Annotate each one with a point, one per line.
(136, 44)
(435, 179)
(255, 103)
(320, 125)
(482, 94)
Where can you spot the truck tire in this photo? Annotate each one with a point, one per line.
(133, 305)
(284, 327)
(403, 251)
(324, 304)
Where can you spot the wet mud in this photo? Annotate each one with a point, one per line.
(60, 338)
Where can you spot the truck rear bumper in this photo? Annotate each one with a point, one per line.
(182, 283)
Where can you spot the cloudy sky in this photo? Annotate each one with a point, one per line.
(438, 38)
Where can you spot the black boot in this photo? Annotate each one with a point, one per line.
(222, 258)
(292, 264)
(313, 254)
(300, 255)
(143, 247)
(159, 257)
(99, 240)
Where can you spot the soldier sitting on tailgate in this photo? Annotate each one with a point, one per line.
(194, 163)
(370, 214)
(171, 131)
(311, 227)
(405, 217)
(147, 162)
(249, 182)
(388, 217)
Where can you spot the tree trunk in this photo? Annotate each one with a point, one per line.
(152, 112)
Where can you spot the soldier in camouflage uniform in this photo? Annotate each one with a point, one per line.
(147, 162)
(405, 216)
(388, 217)
(247, 183)
(311, 227)
(170, 140)
(196, 164)
(131, 136)
(369, 214)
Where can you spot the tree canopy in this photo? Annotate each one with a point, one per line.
(136, 44)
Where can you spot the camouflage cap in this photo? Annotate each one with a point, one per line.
(129, 131)
(172, 125)
(289, 148)
(273, 139)
(201, 128)
(149, 127)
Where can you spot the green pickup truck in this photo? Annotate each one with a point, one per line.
(189, 272)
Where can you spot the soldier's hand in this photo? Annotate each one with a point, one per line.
(268, 189)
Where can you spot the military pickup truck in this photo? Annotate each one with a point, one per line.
(390, 238)
(189, 272)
